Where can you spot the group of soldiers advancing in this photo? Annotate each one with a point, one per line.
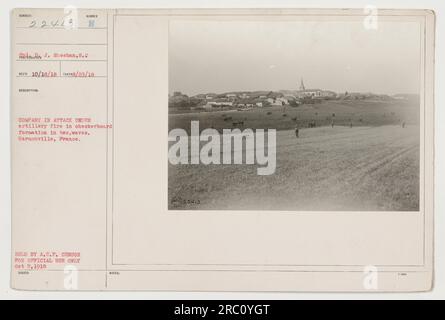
(297, 128)
(312, 125)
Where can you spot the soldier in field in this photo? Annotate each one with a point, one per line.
(297, 130)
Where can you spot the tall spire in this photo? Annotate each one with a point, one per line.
(302, 85)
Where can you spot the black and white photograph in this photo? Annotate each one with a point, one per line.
(267, 115)
(302, 158)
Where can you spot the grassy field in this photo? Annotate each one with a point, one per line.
(359, 112)
(363, 168)
(372, 166)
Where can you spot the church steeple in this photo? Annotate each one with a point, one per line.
(302, 85)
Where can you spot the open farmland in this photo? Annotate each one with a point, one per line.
(372, 166)
(363, 168)
(359, 112)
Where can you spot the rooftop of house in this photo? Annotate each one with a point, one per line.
(308, 90)
(219, 100)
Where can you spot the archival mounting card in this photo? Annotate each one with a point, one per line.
(222, 150)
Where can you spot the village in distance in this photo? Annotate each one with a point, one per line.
(285, 109)
(354, 151)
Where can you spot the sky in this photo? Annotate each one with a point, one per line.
(222, 56)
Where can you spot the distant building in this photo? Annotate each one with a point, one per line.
(302, 88)
(308, 93)
(220, 102)
(275, 102)
(283, 101)
(305, 93)
(328, 94)
(275, 95)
